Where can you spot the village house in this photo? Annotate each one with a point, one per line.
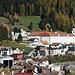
(36, 66)
(54, 51)
(7, 61)
(23, 33)
(42, 49)
(56, 45)
(71, 50)
(5, 51)
(57, 68)
(8, 50)
(58, 49)
(44, 63)
(15, 50)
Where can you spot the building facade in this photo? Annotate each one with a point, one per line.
(53, 37)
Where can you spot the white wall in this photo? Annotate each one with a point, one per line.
(55, 52)
(71, 52)
(56, 68)
(62, 39)
(56, 39)
(45, 38)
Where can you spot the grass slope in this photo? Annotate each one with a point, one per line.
(25, 20)
(14, 44)
(28, 19)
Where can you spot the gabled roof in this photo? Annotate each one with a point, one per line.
(45, 42)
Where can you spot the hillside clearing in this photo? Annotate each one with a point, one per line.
(28, 19)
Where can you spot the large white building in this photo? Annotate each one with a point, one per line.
(50, 37)
(53, 37)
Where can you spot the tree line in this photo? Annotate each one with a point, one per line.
(3, 33)
(37, 7)
(60, 14)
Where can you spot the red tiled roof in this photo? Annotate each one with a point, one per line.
(45, 42)
(40, 34)
(55, 44)
(50, 34)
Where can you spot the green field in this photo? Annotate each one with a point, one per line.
(25, 22)
(28, 19)
(14, 44)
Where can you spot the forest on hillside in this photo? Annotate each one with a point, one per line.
(55, 14)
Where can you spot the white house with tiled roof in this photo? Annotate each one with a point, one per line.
(56, 45)
(51, 37)
(23, 33)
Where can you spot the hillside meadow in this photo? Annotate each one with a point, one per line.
(26, 20)
(7, 43)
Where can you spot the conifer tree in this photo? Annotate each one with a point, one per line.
(19, 38)
(31, 25)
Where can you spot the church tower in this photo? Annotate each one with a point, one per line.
(73, 30)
